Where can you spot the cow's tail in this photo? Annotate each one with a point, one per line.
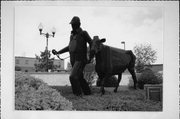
(133, 58)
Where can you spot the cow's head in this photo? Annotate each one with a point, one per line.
(96, 45)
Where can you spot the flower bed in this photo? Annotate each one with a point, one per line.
(34, 94)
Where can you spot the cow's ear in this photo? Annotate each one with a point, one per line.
(103, 40)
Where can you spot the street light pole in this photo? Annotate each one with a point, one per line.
(123, 42)
(47, 35)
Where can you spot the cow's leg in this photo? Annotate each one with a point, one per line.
(102, 84)
(131, 70)
(101, 81)
(119, 80)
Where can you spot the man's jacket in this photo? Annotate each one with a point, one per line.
(77, 45)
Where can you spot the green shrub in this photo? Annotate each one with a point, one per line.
(148, 77)
(90, 77)
(110, 82)
(17, 68)
(34, 94)
(159, 77)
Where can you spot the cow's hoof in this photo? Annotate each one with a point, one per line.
(115, 90)
(87, 93)
(79, 95)
(103, 92)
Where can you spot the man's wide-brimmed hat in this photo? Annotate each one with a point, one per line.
(75, 20)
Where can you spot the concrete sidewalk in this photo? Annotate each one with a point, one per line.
(63, 79)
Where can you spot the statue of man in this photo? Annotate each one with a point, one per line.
(77, 49)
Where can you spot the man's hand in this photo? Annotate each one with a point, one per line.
(54, 52)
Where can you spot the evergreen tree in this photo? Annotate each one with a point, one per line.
(45, 63)
(69, 67)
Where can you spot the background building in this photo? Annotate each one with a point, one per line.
(26, 64)
(158, 68)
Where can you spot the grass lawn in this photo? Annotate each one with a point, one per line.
(124, 100)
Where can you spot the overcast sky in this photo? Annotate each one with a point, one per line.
(134, 25)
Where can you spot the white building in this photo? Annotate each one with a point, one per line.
(26, 64)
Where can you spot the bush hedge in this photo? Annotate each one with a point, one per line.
(34, 94)
(149, 77)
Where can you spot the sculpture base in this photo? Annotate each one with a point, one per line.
(153, 92)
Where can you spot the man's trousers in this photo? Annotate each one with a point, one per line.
(78, 83)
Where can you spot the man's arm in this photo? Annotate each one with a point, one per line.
(66, 49)
(87, 38)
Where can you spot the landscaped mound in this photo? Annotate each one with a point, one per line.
(34, 94)
(124, 100)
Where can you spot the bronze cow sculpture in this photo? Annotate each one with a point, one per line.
(111, 61)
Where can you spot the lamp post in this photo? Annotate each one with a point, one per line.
(47, 35)
(123, 42)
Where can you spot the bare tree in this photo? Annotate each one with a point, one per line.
(145, 56)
